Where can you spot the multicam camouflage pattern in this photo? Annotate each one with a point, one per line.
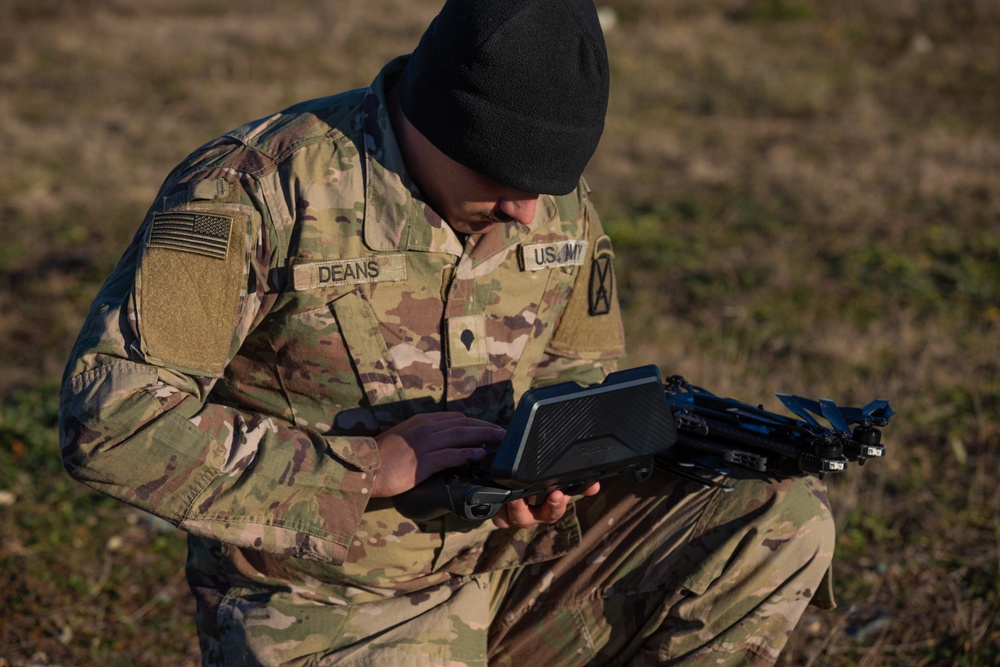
(286, 299)
(673, 572)
(328, 330)
(665, 572)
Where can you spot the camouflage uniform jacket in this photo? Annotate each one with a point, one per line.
(288, 296)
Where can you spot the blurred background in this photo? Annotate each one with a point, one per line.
(803, 196)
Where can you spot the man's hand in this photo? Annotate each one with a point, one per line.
(428, 443)
(522, 514)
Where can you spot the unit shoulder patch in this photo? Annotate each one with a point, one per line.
(602, 277)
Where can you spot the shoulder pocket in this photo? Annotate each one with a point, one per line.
(190, 284)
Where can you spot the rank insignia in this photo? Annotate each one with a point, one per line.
(602, 277)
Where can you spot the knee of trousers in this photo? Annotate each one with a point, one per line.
(774, 532)
(799, 520)
(762, 557)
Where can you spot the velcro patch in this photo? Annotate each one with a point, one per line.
(540, 256)
(189, 231)
(190, 284)
(373, 269)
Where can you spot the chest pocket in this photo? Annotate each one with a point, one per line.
(370, 355)
(558, 287)
(333, 365)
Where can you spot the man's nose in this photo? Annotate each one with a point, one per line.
(520, 207)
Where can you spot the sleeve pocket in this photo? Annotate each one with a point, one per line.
(191, 281)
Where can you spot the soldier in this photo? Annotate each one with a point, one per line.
(324, 307)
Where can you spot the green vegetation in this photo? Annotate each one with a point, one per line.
(84, 578)
(803, 196)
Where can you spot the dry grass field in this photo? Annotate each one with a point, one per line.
(804, 197)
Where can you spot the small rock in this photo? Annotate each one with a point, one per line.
(921, 43)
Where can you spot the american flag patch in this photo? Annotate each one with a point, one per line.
(202, 233)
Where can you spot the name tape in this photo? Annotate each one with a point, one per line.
(334, 273)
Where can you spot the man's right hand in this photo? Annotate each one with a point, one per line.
(415, 449)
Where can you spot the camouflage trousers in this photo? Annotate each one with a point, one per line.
(669, 572)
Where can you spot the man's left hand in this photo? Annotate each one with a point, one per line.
(521, 514)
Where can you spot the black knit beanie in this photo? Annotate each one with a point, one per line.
(516, 90)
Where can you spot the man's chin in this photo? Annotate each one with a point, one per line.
(473, 228)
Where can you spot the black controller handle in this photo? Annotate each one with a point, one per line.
(444, 492)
